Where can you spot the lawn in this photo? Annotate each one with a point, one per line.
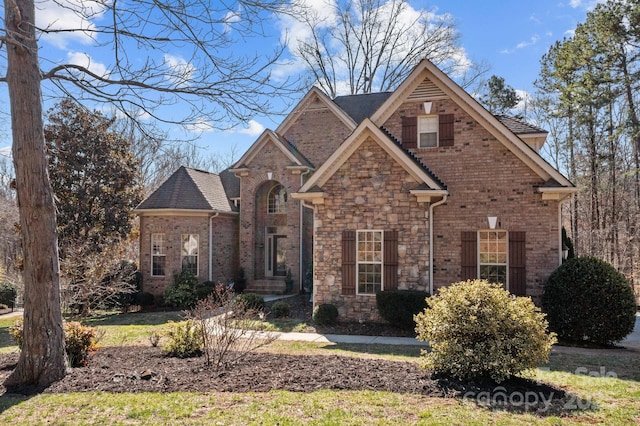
(607, 385)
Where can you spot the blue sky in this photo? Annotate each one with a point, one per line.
(511, 36)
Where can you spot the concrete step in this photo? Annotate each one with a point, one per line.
(267, 286)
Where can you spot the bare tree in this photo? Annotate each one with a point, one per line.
(372, 45)
(209, 82)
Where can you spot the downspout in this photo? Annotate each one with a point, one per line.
(213, 216)
(300, 242)
(560, 242)
(431, 207)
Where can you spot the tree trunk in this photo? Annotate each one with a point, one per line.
(42, 359)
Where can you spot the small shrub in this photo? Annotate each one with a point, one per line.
(154, 339)
(240, 283)
(144, 299)
(3, 306)
(477, 330)
(280, 309)
(80, 341)
(8, 294)
(398, 307)
(248, 302)
(184, 340)
(587, 300)
(205, 289)
(288, 281)
(182, 292)
(325, 314)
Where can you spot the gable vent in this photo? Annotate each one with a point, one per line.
(427, 90)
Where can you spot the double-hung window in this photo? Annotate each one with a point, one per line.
(493, 255)
(189, 252)
(369, 261)
(158, 254)
(428, 131)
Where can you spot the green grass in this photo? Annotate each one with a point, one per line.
(6, 342)
(607, 399)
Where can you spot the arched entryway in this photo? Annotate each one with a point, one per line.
(271, 230)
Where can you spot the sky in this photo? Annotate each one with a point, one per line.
(509, 35)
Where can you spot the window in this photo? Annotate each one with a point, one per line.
(189, 253)
(369, 258)
(492, 254)
(158, 254)
(428, 131)
(277, 199)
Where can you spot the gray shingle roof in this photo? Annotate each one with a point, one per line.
(362, 106)
(189, 189)
(518, 126)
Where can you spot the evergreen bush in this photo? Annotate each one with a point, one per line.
(325, 314)
(478, 331)
(184, 339)
(398, 307)
(248, 302)
(280, 309)
(587, 300)
(182, 292)
(8, 294)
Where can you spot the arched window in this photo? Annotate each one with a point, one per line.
(277, 200)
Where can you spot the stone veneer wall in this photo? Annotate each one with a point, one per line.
(173, 226)
(485, 179)
(369, 191)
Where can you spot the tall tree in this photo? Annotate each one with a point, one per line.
(372, 45)
(94, 176)
(210, 81)
(500, 98)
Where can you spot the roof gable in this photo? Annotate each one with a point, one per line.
(283, 145)
(189, 189)
(426, 82)
(367, 129)
(315, 99)
(361, 106)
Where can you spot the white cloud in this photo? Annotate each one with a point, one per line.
(73, 15)
(85, 60)
(200, 126)
(5, 152)
(525, 99)
(253, 129)
(181, 70)
(229, 19)
(533, 40)
(575, 3)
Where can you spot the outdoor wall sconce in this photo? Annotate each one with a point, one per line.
(492, 221)
(427, 107)
(269, 175)
(565, 252)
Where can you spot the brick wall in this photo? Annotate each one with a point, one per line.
(369, 191)
(174, 226)
(485, 179)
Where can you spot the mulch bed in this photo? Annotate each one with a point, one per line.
(147, 369)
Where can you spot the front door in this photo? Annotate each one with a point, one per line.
(276, 255)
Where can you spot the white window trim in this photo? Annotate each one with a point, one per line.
(381, 263)
(197, 255)
(506, 236)
(164, 254)
(437, 130)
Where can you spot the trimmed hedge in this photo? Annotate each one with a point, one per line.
(587, 300)
(399, 306)
(8, 294)
(325, 314)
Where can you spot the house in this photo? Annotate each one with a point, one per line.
(411, 189)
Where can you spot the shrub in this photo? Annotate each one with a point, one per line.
(325, 314)
(205, 289)
(288, 281)
(8, 294)
(182, 293)
(3, 306)
(280, 309)
(248, 302)
(80, 341)
(477, 330)
(144, 299)
(399, 306)
(240, 283)
(587, 300)
(184, 339)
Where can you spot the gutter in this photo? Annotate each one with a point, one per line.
(215, 214)
(431, 207)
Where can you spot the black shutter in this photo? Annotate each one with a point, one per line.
(390, 253)
(410, 132)
(469, 256)
(348, 262)
(445, 131)
(517, 264)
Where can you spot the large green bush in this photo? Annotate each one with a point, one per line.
(587, 300)
(185, 291)
(8, 294)
(248, 302)
(477, 330)
(399, 306)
